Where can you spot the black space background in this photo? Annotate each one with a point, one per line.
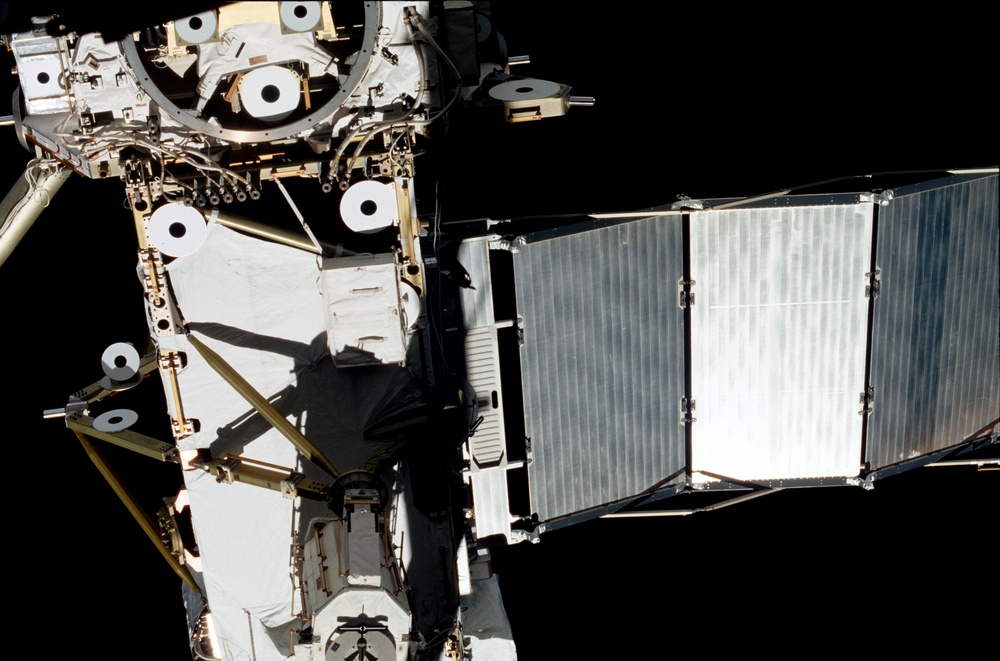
(706, 101)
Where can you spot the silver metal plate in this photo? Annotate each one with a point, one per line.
(778, 340)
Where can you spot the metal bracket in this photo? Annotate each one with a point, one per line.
(866, 482)
(873, 285)
(389, 56)
(226, 469)
(687, 411)
(171, 363)
(867, 400)
(289, 485)
(685, 297)
(163, 314)
(126, 438)
(685, 202)
(518, 535)
(881, 198)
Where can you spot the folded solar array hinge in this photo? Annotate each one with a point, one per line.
(873, 284)
(879, 197)
(687, 411)
(867, 400)
(685, 297)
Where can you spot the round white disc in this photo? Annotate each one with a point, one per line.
(411, 303)
(369, 206)
(270, 93)
(529, 89)
(114, 385)
(120, 361)
(197, 29)
(300, 16)
(483, 27)
(177, 230)
(116, 420)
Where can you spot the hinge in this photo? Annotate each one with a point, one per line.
(873, 284)
(867, 400)
(687, 411)
(879, 197)
(289, 485)
(226, 470)
(685, 297)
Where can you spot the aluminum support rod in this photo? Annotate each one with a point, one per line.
(24, 203)
(140, 516)
(708, 508)
(262, 406)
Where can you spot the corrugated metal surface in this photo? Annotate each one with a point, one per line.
(935, 355)
(482, 364)
(489, 488)
(477, 298)
(602, 365)
(778, 340)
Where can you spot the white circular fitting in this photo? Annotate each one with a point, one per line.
(116, 420)
(270, 93)
(300, 16)
(197, 29)
(120, 361)
(177, 230)
(411, 303)
(529, 89)
(369, 206)
(483, 27)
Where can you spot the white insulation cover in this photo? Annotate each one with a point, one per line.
(778, 340)
(258, 305)
(484, 622)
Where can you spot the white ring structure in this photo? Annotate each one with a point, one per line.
(270, 93)
(115, 420)
(177, 230)
(369, 206)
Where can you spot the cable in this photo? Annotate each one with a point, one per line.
(411, 20)
(35, 178)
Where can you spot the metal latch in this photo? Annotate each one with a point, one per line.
(685, 297)
(874, 284)
(867, 400)
(687, 411)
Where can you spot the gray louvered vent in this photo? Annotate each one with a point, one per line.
(482, 359)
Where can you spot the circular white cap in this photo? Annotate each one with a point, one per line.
(411, 303)
(369, 206)
(270, 93)
(529, 89)
(120, 361)
(116, 420)
(197, 29)
(300, 16)
(177, 230)
(483, 27)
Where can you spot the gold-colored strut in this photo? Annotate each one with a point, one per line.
(170, 362)
(154, 283)
(409, 238)
(140, 516)
(306, 99)
(263, 407)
